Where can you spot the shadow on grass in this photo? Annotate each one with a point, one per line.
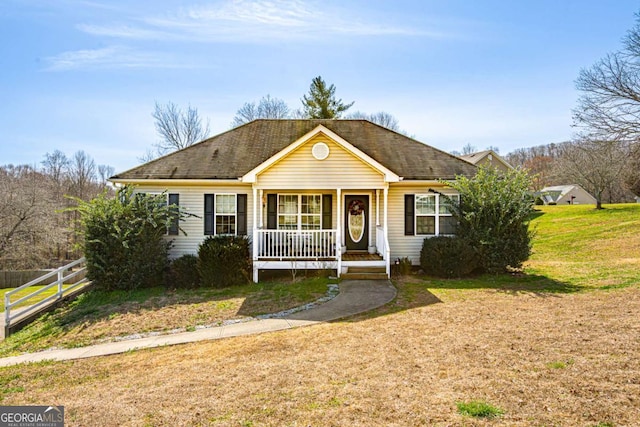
(515, 283)
(415, 291)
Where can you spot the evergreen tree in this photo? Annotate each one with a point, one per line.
(321, 102)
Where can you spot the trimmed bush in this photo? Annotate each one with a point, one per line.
(124, 239)
(183, 273)
(224, 261)
(447, 257)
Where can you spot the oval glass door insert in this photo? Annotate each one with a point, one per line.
(356, 220)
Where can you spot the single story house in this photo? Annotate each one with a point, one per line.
(310, 194)
(566, 194)
(488, 158)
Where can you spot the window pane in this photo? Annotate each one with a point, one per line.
(425, 225)
(311, 204)
(445, 205)
(425, 205)
(311, 222)
(226, 204)
(225, 224)
(448, 225)
(288, 204)
(287, 222)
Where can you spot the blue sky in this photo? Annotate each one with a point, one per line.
(84, 74)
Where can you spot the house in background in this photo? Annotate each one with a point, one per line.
(310, 194)
(566, 195)
(487, 158)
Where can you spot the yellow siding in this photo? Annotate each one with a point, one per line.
(192, 201)
(401, 245)
(300, 170)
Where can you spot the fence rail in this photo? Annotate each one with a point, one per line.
(68, 279)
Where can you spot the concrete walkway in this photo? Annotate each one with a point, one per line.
(355, 297)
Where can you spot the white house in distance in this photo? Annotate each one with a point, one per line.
(487, 158)
(310, 194)
(566, 195)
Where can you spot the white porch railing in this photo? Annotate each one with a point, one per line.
(295, 244)
(62, 280)
(382, 244)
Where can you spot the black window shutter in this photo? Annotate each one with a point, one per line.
(242, 215)
(174, 202)
(409, 213)
(209, 202)
(326, 212)
(272, 211)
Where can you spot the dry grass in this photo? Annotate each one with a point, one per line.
(557, 347)
(555, 359)
(105, 316)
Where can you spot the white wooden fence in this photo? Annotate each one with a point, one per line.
(64, 284)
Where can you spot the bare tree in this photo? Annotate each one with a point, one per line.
(178, 129)
(609, 103)
(468, 149)
(82, 175)
(595, 165)
(56, 166)
(267, 108)
(29, 231)
(381, 118)
(105, 172)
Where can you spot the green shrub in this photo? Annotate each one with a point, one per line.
(493, 217)
(224, 261)
(183, 273)
(447, 257)
(123, 239)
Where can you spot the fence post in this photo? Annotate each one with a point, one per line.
(60, 280)
(7, 316)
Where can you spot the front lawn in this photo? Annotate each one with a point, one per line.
(100, 316)
(26, 292)
(548, 347)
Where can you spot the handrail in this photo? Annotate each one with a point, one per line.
(61, 279)
(382, 243)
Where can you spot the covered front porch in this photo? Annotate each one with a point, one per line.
(325, 230)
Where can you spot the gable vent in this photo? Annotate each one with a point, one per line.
(320, 151)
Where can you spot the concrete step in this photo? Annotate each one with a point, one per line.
(365, 273)
(366, 270)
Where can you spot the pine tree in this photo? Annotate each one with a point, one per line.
(321, 102)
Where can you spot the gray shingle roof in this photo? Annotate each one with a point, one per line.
(237, 151)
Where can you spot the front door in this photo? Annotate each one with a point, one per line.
(356, 222)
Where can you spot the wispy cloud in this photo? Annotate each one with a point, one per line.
(111, 57)
(254, 21)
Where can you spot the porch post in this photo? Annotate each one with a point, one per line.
(254, 240)
(387, 252)
(377, 207)
(261, 210)
(338, 233)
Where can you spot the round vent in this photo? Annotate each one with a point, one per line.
(320, 151)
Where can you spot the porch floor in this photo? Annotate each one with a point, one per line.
(360, 256)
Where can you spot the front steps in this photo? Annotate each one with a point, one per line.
(365, 273)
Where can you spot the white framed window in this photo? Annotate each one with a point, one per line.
(225, 214)
(299, 211)
(433, 214)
